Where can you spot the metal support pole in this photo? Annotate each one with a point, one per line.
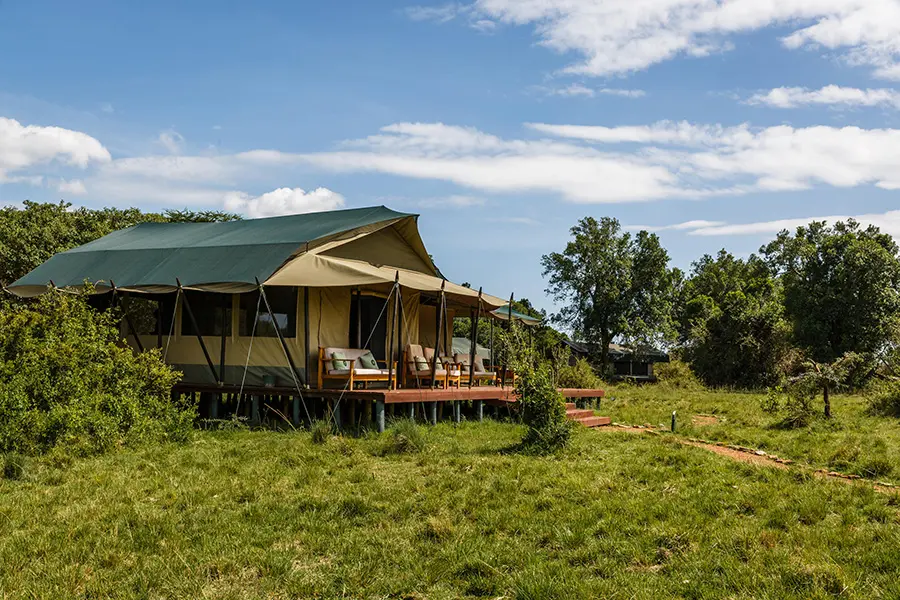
(399, 335)
(295, 410)
(479, 410)
(306, 330)
(159, 323)
(336, 414)
(412, 410)
(432, 412)
(379, 415)
(287, 351)
(214, 406)
(457, 411)
(128, 322)
(390, 353)
(474, 319)
(439, 322)
(225, 322)
(187, 307)
(254, 415)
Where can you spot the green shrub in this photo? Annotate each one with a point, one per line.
(884, 398)
(543, 411)
(581, 376)
(677, 374)
(14, 466)
(67, 380)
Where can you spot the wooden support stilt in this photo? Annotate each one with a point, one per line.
(411, 411)
(367, 412)
(214, 406)
(336, 414)
(295, 410)
(379, 415)
(432, 412)
(457, 412)
(479, 410)
(254, 410)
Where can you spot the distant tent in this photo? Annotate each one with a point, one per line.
(503, 313)
(463, 345)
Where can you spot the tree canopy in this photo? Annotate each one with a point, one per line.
(840, 287)
(612, 285)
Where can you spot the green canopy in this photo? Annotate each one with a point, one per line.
(228, 256)
(503, 313)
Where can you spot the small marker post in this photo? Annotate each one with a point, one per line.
(673, 421)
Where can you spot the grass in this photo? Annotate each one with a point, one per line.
(854, 441)
(247, 514)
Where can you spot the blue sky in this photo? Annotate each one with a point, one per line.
(501, 122)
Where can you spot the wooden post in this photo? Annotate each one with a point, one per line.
(457, 411)
(479, 410)
(336, 414)
(390, 357)
(187, 306)
(437, 336)
(432, 412)
(287, 351)
(295, 410)
(411, 410)
(379, 415)
(474, 319)
(367, 411)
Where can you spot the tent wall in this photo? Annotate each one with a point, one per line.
(390, 248)
(428, 325)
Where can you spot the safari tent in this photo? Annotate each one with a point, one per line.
(236, 303)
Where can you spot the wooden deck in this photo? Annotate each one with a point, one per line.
(402, 396)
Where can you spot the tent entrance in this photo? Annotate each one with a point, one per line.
(364, 321)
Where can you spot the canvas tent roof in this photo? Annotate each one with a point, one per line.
(318, 250)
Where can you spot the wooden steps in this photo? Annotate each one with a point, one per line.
(585, 417)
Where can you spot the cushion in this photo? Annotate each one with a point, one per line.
(421, 364)
(340, 361)
(358, 371)
(368, 361)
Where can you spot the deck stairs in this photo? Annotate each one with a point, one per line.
(585, 416)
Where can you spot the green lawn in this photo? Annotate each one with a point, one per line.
(266, 514)
(854, 441)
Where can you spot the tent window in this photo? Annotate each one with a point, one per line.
(283, 301)
(365, 322)
(145, 312)
(210, 310)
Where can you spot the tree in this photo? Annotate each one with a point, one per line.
(35, 232)
(731, 322)
(613, 285)
(840, 287)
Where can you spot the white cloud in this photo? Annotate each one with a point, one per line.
(284, 201)
(172, 141)
(888, 222)
(621, 92)
(665, 160)
(620, 36)
(833, 95)
(107, 108)
(25, 147)
(74, 187)
(439, 14)
(686, 226)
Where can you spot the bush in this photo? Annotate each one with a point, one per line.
(580, 376)
(794, 407)
(543, 411)
(884, 398)
(67, 380)
(677, 374)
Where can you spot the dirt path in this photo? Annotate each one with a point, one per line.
(756, 457)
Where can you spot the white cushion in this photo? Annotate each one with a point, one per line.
(369, 372)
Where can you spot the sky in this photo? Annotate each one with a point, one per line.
(715, 123)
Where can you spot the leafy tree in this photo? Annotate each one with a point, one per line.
(613, 285)
(731, 322)
(840, 287)
(35, 232)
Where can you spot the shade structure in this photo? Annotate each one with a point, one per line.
(505, 313)
(328, 249)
